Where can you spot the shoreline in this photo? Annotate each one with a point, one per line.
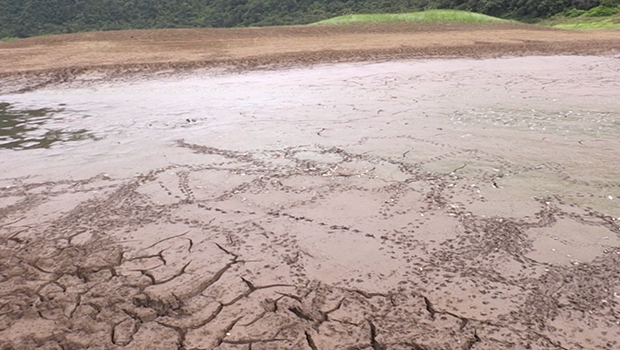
(38, 62)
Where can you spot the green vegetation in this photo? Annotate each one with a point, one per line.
(600, 17)
(6, 39)
(601, 11)
(23, 18)
(430, 16)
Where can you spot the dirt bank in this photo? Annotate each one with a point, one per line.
(35, 62)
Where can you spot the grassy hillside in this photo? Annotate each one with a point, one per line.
(597, 18)
(430, 16)
(24, 18)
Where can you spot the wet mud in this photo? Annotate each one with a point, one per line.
(446, 204)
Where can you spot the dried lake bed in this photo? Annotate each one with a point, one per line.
(423, 204)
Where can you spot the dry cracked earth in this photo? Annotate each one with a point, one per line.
(400, 241)
(201, 286)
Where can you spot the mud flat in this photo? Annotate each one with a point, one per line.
(416, 204)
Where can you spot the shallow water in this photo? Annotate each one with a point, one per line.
(34, 128)
(484, 191)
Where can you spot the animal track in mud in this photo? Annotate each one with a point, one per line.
(218, 269)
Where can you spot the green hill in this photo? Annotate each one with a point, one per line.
(23, 18)
(431, 16)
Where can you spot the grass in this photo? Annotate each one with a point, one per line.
(596, 18)
(600, 17)
(607, 23)
(7, 39)
(430, 16)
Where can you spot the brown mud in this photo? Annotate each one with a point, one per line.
(33, 63)
(442, 204)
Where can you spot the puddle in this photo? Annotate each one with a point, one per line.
(22, 129)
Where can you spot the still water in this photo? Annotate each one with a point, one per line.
(34, 128)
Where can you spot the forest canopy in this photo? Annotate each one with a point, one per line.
(24, 18)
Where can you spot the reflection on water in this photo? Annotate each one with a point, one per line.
(30, 128)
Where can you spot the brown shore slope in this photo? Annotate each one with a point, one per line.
(58, 58)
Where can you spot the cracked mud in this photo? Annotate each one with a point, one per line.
(448, 204)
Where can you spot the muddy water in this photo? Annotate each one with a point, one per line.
(447, 204)
(27, 129)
